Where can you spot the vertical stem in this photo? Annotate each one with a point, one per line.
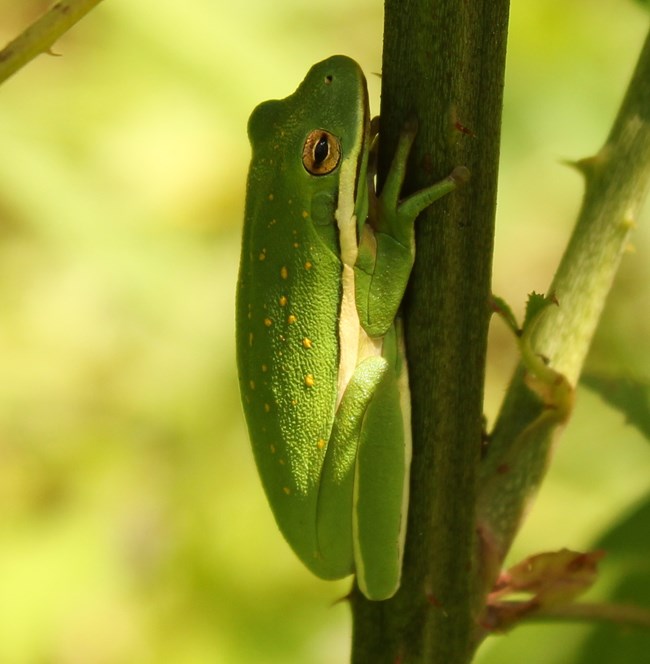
(451, 78)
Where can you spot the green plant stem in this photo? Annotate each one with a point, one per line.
(40, 36)
(451, 78)
(619, 614)
(617, 180)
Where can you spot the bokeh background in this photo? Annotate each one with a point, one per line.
(132, 525)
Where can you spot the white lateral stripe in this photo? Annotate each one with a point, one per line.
(349, 324)
(349, 329)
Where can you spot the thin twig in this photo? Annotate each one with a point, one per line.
(40, 36)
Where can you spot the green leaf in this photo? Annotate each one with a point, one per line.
(537, 302)
(627, 545)
(644, 3)
(628, 395)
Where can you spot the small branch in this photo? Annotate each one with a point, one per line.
(617, 183)
(40, 36)
(621, 614)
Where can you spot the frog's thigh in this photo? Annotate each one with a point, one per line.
(334, 518)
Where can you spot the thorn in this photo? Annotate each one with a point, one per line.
(587, 165)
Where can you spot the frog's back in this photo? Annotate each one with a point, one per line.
(288, 303)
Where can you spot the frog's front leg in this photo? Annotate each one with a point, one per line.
(363, 495)
(387, 242)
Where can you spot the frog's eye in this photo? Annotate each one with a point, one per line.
(321, 152)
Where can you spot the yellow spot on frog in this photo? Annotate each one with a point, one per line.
(308, 265)
(320, 444)
(306, 343)
(272, 448)
(284, 273)
(309, 380)
(262, 255)
(291, 319)
(286, 490)
(296, 245)
(283, 301)
(267, 408)
(268, 322)
(270, 197)
(250, 338)
(264, 368)
(305, 214)
(252, 384)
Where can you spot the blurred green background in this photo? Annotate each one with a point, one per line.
(132, 525)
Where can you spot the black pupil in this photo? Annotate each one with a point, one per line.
(321, 150)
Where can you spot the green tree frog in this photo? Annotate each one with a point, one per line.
(323, 379)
